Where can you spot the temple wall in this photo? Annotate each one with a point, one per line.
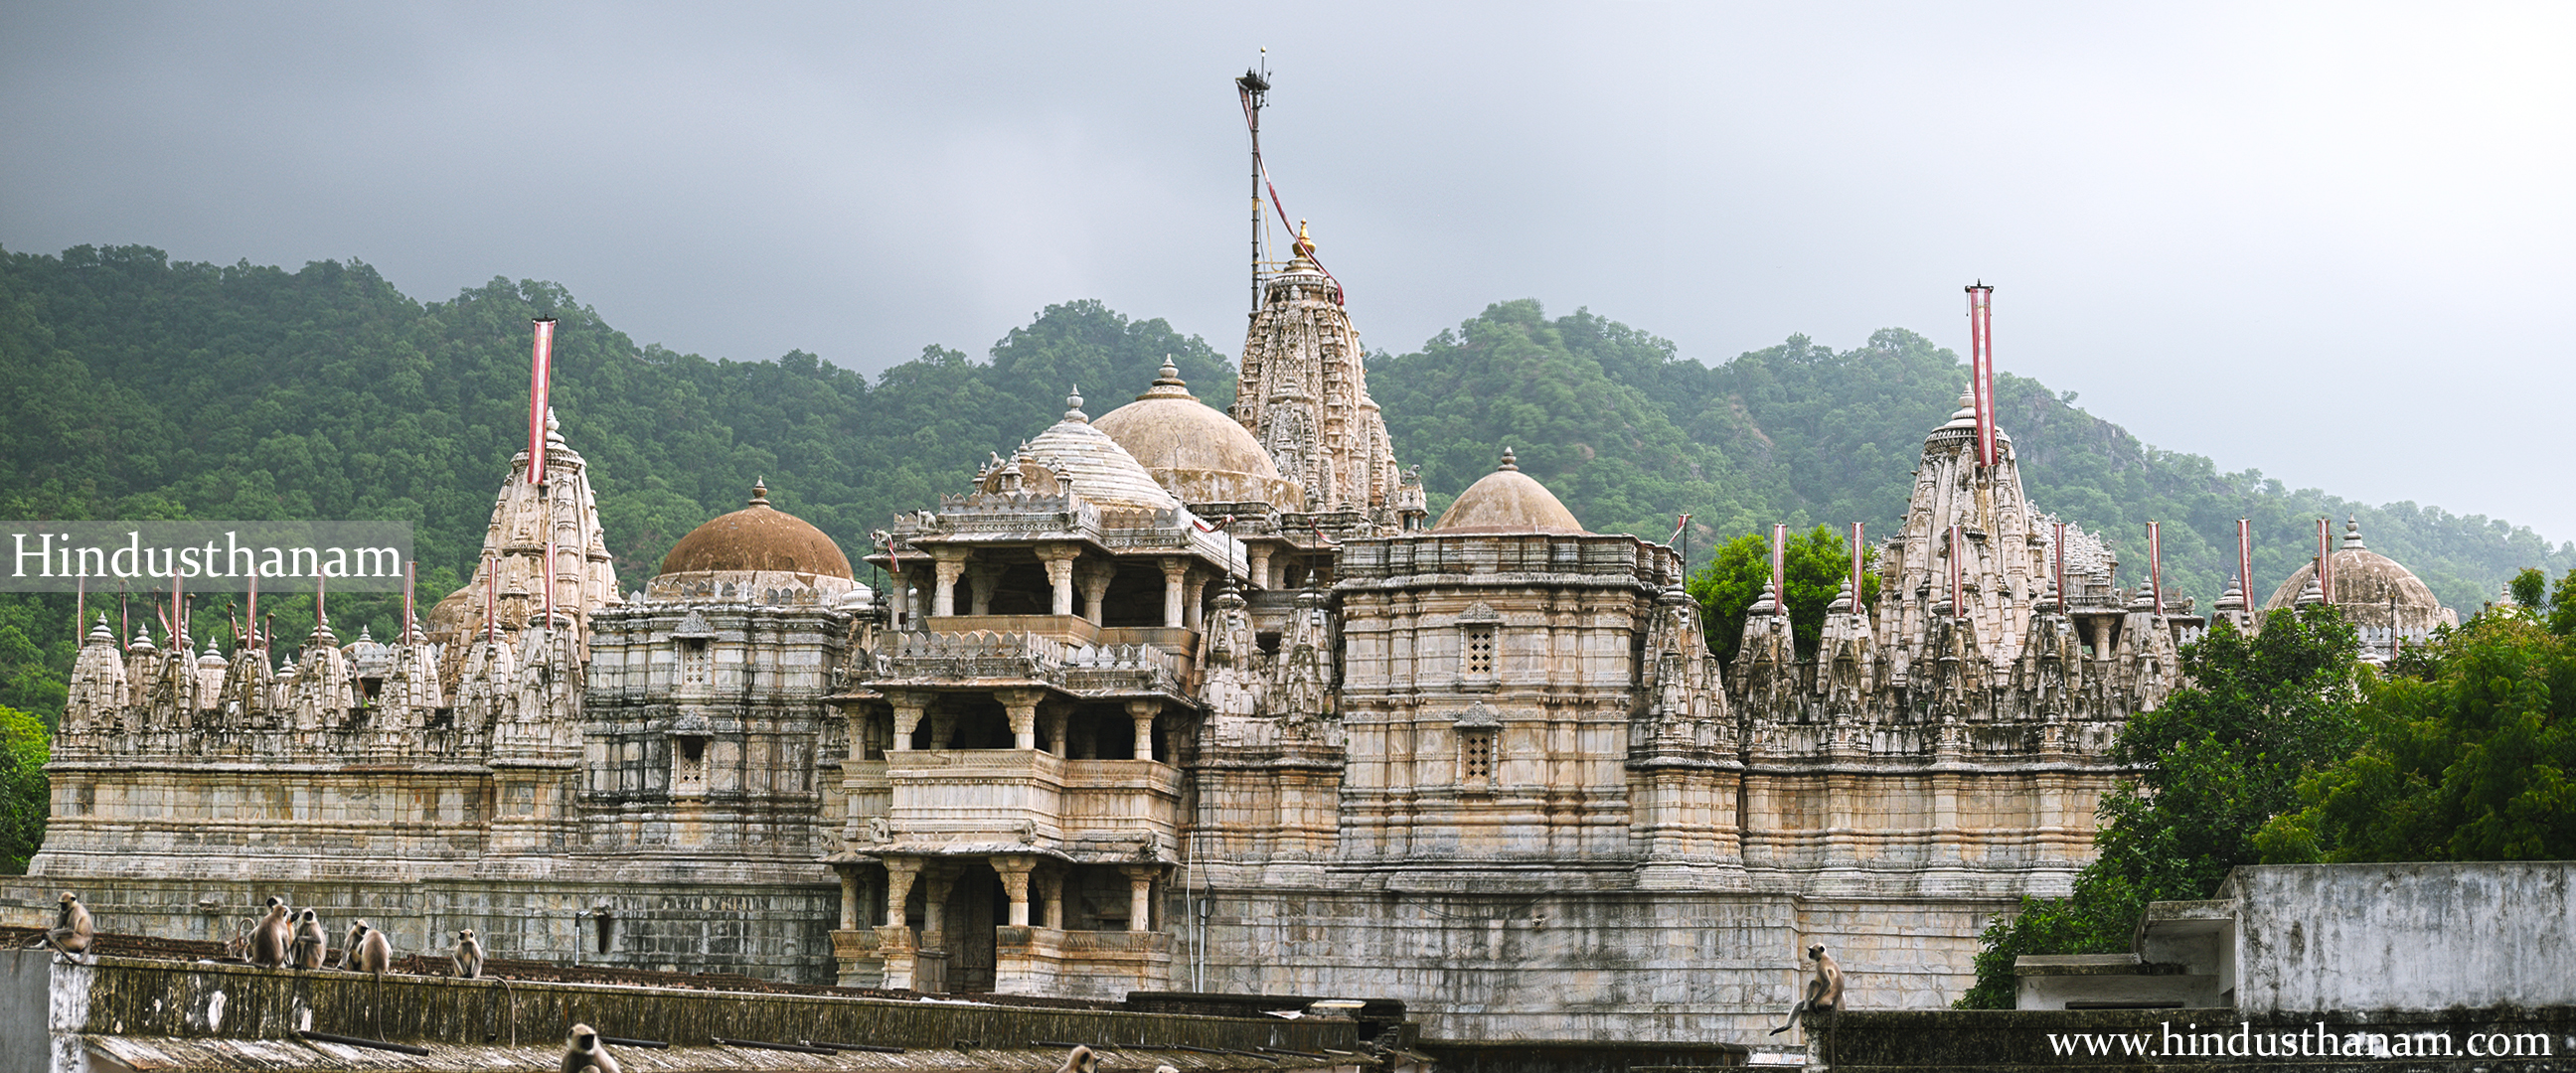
(1669, 966)
(771, 931)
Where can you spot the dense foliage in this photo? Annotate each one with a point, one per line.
(2470, 756)
(24, 796)
(1817, 565)
(2215, 762)
(132, 386)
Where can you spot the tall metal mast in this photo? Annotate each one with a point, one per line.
(1254, 88)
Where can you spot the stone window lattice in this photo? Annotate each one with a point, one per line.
(1480, 650)
(1476, 749)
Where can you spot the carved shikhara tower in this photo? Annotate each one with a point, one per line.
(1305, 397)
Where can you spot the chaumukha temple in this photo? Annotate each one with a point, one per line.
(1172, 699)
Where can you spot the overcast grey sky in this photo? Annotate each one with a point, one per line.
(2331, 242)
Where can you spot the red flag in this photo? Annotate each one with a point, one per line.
(2061, 568)
(1855, 550)
(540, 373)
(2155, 565)
(1981, 367)
(2245, 560)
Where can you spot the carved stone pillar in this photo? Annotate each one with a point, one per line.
(1051, 890)
(1256, 559)
(900, 874)
(1022, 707)
(1191, 593)
(1058, 716)
(1176, 576)
(981, 578)
(1140, 895)
(1058, 559)
(1094, 578)
(849, 897)
(907, 718)
(943, 727)
(1142, 711)
(936, 879)
(1014, 870)
(951, 565)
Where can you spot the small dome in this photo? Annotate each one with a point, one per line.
(1195, 449)
(758, 537)
(1507, 501)
(1098, 468)
(2366, 585)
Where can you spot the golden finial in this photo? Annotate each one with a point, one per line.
(1305, 245)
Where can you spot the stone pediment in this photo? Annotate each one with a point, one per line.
(694, 626)
(1479, 717)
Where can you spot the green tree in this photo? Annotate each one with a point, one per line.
(25, 799)
(2562, 606)
(2472, 758)
(2215, 762)
(1817, 563)
(2530, 588)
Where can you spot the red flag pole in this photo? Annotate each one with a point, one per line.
(2245, 560)
(540, 373)
(252, 616)
(2325, 561)
(2155, 565)
(1780, 566)
(1981, 366)
(1855, 550)
(2061, 568)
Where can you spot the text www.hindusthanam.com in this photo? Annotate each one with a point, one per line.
(2192, 1041)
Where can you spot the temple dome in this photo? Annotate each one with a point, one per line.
(758, 537)
(1100, 470)
(1196, 451)
(2367, 585)
(1507, 501)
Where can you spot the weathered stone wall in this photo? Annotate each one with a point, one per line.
(1677, 966)
(777, 932)
(163, 1002)
(2405, 936)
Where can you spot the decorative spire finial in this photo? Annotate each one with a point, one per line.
(1508, 461)
(1073, 406)
(759, 492)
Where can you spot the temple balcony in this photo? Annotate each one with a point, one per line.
(950, 800)
(1080, 964)
(1062, 651)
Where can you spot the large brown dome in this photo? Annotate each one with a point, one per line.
(1507, 501)
(758, 537)
(1197, 452)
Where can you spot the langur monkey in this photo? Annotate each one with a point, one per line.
(1825, 992)
(368, 950)
(72, 931)
(311, 942)
(584, 1051)
(469, 955)
(1079, 1060)
(271, 938)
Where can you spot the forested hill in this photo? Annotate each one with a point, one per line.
(141, 388)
